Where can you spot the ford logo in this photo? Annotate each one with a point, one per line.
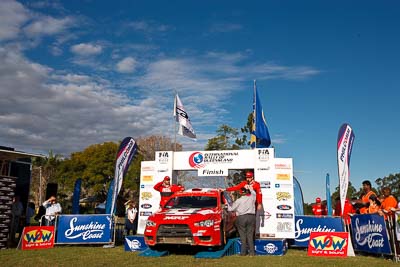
(146, 206)
(284, 207)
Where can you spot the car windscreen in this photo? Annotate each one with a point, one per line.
(191, 202)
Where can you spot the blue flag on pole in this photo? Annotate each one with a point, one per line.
(259, 132)
(328, 195)
(298, 198)
(109, 197)
(76, 196)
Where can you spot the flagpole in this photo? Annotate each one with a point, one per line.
(255, 111)
(175, 121)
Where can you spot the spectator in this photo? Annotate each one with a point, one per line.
(364, 198)
(166, 190)
(16, 212)
(30, 212)
(374, 204)
(52, 210)
(246, 219)
(131, 217)
(389, 203)
(318, 208)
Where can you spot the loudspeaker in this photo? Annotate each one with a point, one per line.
(51, 190)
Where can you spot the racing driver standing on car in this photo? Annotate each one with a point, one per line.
(166, 189)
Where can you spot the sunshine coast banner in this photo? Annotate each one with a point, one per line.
(126, 152)
(344, 147)
(87, 228)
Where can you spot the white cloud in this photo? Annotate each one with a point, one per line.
(149, 26)
(226, 27)
(12, 16)
(86, 49)
(46, 25)
(127, 65)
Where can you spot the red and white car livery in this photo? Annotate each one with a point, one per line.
(196, 217)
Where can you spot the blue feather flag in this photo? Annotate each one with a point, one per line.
(76, 196)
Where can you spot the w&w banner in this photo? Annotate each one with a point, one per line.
(92, 228)
(344, 147)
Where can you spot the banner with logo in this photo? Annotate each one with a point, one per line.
(126, 151)
(370, 234)
(304, 225)
(90, 228)
(344, 148)
(397, 225)
(328, 244)
(149, 199)
(135, 243)
(37, 237)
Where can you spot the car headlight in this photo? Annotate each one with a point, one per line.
(150, 223)
(205, 223)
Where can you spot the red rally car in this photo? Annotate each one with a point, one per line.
(197, 217)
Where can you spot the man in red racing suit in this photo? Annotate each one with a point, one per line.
(255, 185)
(166, 189)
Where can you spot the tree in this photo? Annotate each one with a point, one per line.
(351, 193)
(44, 172)
(96, 165)
(392, 181)
(226, 139)
(149, 145)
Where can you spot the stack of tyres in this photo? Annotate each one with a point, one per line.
(7, 187)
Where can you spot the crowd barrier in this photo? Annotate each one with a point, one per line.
(369, 233)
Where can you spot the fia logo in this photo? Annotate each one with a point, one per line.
(263, 154)
(163, 157)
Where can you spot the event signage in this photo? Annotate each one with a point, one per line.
(37, 237)
(275, 176)
(135, 243)
(90, 228)
(304, 225)
(328, 244)
(369, 234)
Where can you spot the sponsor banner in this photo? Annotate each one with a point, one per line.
(91, 228)
(344, 147)
(397, 224)
(212, 172)
(369, 234)
(126, 151)
(37, 237)
(222, 159)
(304, 225)
(149, 199)
(333, 244)
(277, 247)
(135, 243)
(147, 172)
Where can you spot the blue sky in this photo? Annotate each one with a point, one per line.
(75, 73)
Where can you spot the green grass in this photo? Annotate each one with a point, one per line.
(85, 256)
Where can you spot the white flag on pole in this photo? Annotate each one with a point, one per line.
(185, 126)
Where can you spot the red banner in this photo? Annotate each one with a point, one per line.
(328, 244)
(37, 237)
